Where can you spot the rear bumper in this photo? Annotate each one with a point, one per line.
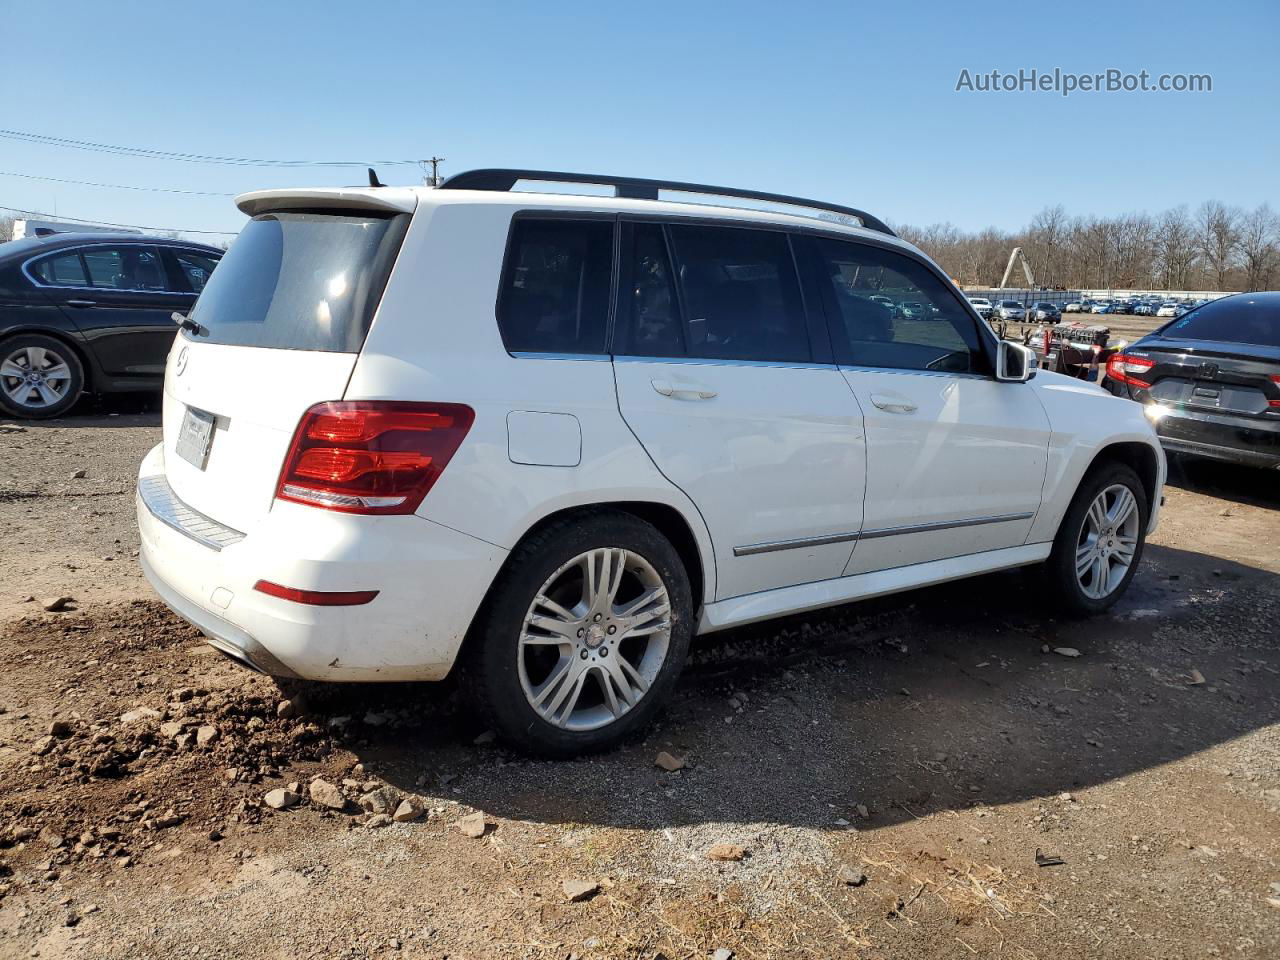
(1221, 437)
(430, 581)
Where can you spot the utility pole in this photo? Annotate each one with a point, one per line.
(434, 179)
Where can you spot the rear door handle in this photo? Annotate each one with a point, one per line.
(686, 392)
(82, 303)
(891, 403)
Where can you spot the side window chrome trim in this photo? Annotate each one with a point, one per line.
(80, 250)
(912, 371)
(532, 355)
(715, 362)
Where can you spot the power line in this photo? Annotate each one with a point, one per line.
(115, 186)
(45, 140)
(108, 223)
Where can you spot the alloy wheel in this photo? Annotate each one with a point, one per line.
(594, 639)
(35, 377)
(1108, 541)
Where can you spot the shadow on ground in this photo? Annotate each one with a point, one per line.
(1227, 481)
(104, 410)
(937, 699)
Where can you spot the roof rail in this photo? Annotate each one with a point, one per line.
(640, 189)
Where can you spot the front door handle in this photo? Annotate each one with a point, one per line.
(891, 403)
(685, 392)
(82, 303)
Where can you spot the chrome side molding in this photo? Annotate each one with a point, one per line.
(751, 549)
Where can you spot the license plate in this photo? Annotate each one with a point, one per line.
(195, 438)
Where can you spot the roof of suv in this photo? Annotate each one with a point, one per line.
(407, 199)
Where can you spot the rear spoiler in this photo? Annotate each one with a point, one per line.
(384, 199)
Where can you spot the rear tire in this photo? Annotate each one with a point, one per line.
(1099, 545)
(40, 377)
(571, 656)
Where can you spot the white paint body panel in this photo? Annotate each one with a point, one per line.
(778, 453)
(945, 448)
(430, 579)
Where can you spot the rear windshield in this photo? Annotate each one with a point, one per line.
(1242, 319)
(300, 281)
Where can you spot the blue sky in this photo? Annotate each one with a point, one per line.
(850, 102)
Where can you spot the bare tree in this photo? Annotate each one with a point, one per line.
(6, 229)
(1219, 235)
(1260, 247)
(1044, 241)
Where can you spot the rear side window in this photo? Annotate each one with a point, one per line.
(300, 280)
(716, 293)
(889, 310)
(64, 269)
(125, 268)
(555, 289)
(196, 268)
(1240, 319)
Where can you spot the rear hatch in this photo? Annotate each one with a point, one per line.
(281, 324)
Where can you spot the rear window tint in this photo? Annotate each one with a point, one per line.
(125, 268)
(64, 269)
(555, 291)
(300, 281)
(1240, 319)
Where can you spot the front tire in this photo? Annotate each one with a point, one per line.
(40, 377)
(1099, 545)
(583, 635)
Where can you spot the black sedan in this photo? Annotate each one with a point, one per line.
(1211, 379)
(90, 312)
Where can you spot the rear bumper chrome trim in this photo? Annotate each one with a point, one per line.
(163, 504)
(752, 549)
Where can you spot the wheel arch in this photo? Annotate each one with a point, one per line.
(668, 520)
(1140, 457)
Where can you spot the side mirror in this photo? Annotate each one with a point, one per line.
(1014, 362)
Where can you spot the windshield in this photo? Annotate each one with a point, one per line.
(1242, 319)
(300, 281)
(1011, 303)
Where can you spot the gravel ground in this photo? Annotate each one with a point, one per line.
(889, 772)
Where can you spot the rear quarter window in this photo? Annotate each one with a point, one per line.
(556, 286)
(300, 280)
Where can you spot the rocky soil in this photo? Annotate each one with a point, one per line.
(947, 773)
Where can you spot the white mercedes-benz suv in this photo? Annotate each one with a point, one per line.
(548, 438)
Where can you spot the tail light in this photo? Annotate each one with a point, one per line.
(1122, 369)
(1276, 380)
(371, 456)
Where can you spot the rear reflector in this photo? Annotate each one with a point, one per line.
(1121, 369)
(316, 598)
(371, 456)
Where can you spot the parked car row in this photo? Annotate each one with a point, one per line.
(1138, 306)
(1041, 311)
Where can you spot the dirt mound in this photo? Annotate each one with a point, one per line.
(95, 773)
